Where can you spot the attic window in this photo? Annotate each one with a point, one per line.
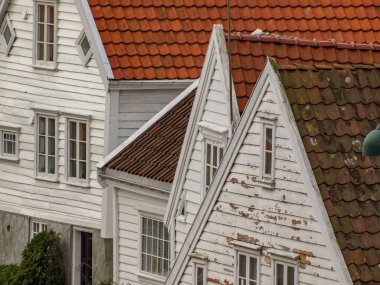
(84, 48)
(8, 35)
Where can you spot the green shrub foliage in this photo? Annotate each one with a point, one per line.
(41, 263)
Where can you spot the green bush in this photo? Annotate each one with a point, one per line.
(41, 263)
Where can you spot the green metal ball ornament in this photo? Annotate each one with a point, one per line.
(371, 144)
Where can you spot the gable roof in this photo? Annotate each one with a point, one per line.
(249, 53)
(154, 151)
(335, 108)
(167, 39)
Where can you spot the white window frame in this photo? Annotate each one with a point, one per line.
(45, 175)
(249, 250)
(7, 23)
(285, 262)
(76, 253)
(6, 156)
(75, 180)
(215, 136)
(264, 175)
(44, 63)
(41, 225)
(200, 263)
(78, 43)
(142, 274)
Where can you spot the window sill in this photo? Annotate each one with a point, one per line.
(150, 278)
(10, 159)
(46, 67)
(46, 178)
(265, 183)
(77, 184)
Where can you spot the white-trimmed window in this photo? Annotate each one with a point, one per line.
(77, 150)
(155, 246)
(213, 156)
(285, 273)
(200, 274)
(45, 34)
(37, 227)
(7, 35)
(247, 269)
(268, 151)
(84, 48)
(9, 143)
(46, 145)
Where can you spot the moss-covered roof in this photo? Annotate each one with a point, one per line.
(335, 108)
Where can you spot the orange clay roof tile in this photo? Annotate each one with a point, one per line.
(185, 26)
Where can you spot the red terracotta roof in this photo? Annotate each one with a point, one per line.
(335, 108)
(249, 53)
(155, 153)
(167, 39)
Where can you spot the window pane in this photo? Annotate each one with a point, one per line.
(291, 276)
(41, 163)
(41, 143)
(73, 149)
(253, 268)
(220, 154)
(166, 268)
(82, 170)
(40, 51)
(200, 272)
(41, 33)
(268, 138)
(82, 151)
(279, 274)
(85, 45)
(208, 154)
(72, 168)
(50, 17)
(268, 162)
(242, 265)
(143, 244)
(51, 165)
(50, 33)
(50, 52)
(51, 127)
(82, 132)
(73, 130)
(51, 146)
(7, 34)
(41, 125)
(214, 155)
(143, 262)
(208, 175)
(41, 13)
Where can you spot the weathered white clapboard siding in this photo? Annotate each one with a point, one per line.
(282, 218)
(130, 205)
(72, 89)
(136, 107)
(215, 111)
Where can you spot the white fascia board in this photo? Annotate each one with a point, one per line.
(147, 125)
(220, 177)
(310, 180)
(149, 84)
(96, 43)
(3, 9)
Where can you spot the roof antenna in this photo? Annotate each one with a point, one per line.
(229, 58)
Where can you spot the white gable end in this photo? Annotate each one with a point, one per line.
(280, 223)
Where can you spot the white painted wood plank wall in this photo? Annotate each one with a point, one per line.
(282, 218)
(72, 89)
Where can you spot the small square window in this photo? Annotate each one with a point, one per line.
(284, 273)
(84, 48)
(7, 35)
(37, 227)
(9, 143)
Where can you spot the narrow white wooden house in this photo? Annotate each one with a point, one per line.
(293, 201)
(140, 173)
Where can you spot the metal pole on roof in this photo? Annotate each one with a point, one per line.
(229, 56)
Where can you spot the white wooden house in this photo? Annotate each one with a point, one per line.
(284, 207)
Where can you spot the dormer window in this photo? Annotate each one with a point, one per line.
(45, 35)
(84, 48)
(7, 35)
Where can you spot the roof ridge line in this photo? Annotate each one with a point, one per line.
(290, 40)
